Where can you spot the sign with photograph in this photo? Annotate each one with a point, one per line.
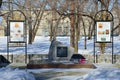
(103, 31)
(16, 31)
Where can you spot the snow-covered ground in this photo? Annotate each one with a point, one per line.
(41, 46)
(104, 71)
(7, 73)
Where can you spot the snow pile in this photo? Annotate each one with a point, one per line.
(104, 71)
(15, 74)
(97, 74)
(103, 74)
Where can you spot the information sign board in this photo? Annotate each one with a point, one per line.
(17, 31)
(103, 32)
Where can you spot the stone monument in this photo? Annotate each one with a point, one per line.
(52, 55)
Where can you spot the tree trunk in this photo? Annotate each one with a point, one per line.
(36, 25)
(77, 31)
(51, 31)
(85, 46)
(72, 23)
(89, 30)
(30, 31)
(102, 47)
(54, 26)
(72, 32)
(38, 18)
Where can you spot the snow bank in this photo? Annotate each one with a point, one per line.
(103, 74)
(15, 74)
(97, 74)
(103, 71)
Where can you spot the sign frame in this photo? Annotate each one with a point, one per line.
(103, 16)
(17, 43)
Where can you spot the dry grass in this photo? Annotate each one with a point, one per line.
(117, 65)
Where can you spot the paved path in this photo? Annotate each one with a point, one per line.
(56, 75)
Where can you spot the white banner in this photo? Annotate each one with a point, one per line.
(17, 31)
(103, 31)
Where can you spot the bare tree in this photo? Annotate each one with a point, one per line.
(116, 10)
(38, 12)
(34, 11)
(75, 10)
(54, 21)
